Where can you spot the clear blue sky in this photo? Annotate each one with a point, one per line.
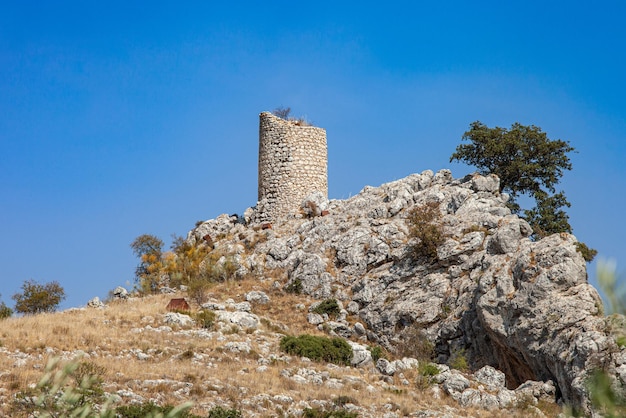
(118, 120)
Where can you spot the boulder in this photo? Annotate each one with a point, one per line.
(361, 355)
(95, 303)
(243, 320)
(120, 293)
(257, 296)
(314, 204)
(178, 319)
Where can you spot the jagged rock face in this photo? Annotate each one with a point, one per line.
(491, 293)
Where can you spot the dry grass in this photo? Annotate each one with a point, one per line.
(115, 338)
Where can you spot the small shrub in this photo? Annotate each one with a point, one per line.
(428, 369)
(342, 400)
(153, 410)
(5, 311)
(331, 350)
(329, 307)
(282, 112)
(426, 372)
(233, 329)
(88, 378)
(320, 413)
(219, 412)
(377, 353)
(198, 289)
(425, 224)
(588, 253)
(187, 354)
(205, 319)
(294, 287)
(458, 361)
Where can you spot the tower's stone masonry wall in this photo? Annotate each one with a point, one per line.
(293, 161)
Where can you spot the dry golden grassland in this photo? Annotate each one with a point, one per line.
(197, 368)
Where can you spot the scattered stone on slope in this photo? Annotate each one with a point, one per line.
(120, 293)
(95, 303)
(178, 319)
(257, 296)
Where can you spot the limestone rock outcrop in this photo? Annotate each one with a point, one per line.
(491, 294)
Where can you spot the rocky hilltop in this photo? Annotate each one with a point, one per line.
(490, 295)
(446, 306)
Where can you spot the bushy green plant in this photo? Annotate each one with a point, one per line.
(329, 307)
(332, 350)
(294, 286)
(426, 372)
(428, 369)
(205, 319)
(588, 253)
(321, 413)
(219, 412)
(5, 311)
(458, 361)
(377, 353)
(37, 298)
(198, 289)
(425, 224)
(151, 410)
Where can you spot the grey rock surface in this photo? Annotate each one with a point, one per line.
(178, 319)
(95, 303)
(257, 296)
(120, 293)
(491, 294)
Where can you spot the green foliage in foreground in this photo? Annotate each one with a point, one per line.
(607, 279)
(219, 412)
(75, 390)
(331, 350)
(606, 396)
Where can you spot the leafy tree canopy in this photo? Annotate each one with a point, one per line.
(527, 163)
(523, 157)
(147, 244)
(36, 298)
(5, 311)
(149, 249)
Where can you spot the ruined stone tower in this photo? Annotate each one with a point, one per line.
(293, 161)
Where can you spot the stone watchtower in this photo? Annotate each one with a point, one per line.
(293, 161)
